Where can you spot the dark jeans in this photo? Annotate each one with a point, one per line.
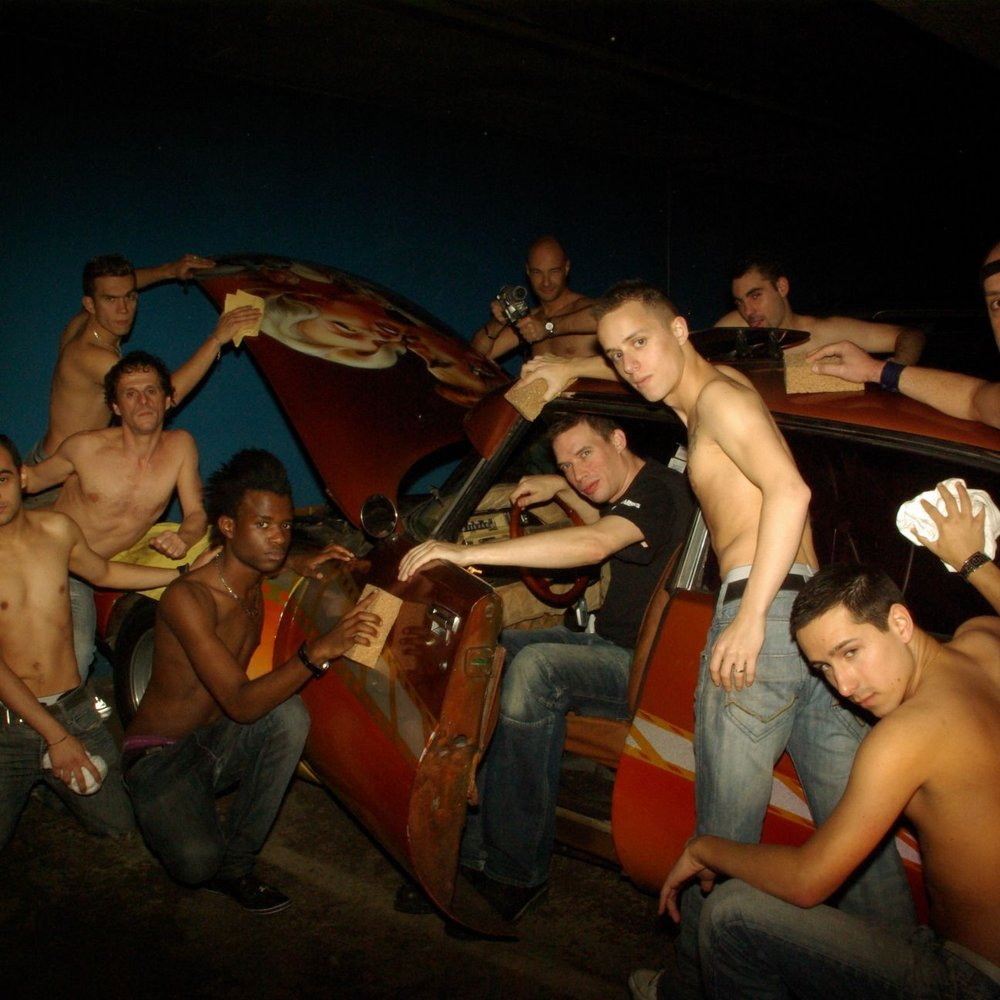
(174, 789)
(107, 812)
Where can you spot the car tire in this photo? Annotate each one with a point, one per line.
(133, 658)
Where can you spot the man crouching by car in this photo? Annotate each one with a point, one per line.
(203, 726)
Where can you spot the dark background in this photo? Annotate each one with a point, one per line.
(425, 144)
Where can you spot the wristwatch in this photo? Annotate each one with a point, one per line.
(973, 563)
(550, 328)
(316, 669)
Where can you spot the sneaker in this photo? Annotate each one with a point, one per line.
(643, 984)
(252, 894)
(103, 709)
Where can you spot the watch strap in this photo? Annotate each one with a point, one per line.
(316, 669)
(974, 562)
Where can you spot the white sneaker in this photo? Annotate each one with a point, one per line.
(103, 708)
(643, 984)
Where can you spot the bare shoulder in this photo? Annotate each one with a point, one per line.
(73, 329)
(52, 526)
(977, 637)
(188, 600)
(732, 318)
(727, 398)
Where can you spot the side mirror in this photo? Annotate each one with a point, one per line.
(378, 516)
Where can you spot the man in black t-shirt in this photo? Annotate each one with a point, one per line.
(635, 513)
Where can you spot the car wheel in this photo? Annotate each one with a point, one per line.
(133, 658)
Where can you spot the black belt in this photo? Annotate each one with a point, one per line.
(735, 590)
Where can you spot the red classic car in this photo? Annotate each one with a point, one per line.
(379, 392)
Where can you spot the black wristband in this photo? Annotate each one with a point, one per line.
(316, 669)
(974, 562)
(889, 379)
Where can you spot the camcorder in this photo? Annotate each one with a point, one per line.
(513, 301)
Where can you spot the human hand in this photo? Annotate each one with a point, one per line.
(531, 329)
(170, 544)
(686, 867)
(426, 552)
(182, 268)
(555, 371)
(734, 656)
(359, 626)
(845, 360)
(230, 323)
(960, 532)
(497, 311)
(308, 563)
(68, 759)
(536, 489)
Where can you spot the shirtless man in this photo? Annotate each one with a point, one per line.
(934, 758)
(760, 293)
(43, 705)
(953, 393)
(91, 343)
(203, 726)
(756, 506)
(561, 324)
(118, 480)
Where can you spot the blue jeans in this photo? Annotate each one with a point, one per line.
(107, 812)
(739, 736)
(84, 611)
(755, 945)
(174, 790)
(549, 672)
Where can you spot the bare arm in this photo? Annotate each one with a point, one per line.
(190, 613)
(957, 395)
(578, 320)
(558, 373)
(85, 562)
(176, 543)
(739, 423)
(532, 490)
(887, 771)
(66, 752)
(903, 343)
(960, 534)
(565, 548)
(174, 270)
(193, 370)
(51, 472)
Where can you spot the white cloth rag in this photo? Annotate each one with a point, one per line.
(911, 515)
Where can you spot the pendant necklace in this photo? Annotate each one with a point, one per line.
(247, 610)
(117, 348)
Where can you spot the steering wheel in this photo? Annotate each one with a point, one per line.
(541, 587)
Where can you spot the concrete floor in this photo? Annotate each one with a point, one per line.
(85, 915)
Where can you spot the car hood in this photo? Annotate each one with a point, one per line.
(371, 382)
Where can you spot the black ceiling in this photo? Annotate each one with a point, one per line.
(791, 88)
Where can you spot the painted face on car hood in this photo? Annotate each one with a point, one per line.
(370, 382)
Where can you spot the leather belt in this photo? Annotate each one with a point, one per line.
(736, 589)
(59, 708)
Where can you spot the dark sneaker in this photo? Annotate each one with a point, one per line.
(512, 902)
(252, 894)
(410, 898)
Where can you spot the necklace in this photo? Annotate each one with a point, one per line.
(247, 610)
(117, 348)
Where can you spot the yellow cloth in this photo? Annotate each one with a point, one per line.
(143, 555)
